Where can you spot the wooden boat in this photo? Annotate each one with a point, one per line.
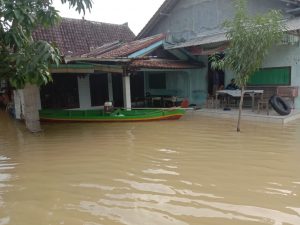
(118, 115)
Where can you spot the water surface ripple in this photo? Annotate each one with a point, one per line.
(196, 170)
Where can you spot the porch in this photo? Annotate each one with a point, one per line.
(247, 115)
(135, 74)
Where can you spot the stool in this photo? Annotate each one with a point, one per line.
(261, 104)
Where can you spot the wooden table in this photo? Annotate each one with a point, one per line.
(237, 94)
(163, 99)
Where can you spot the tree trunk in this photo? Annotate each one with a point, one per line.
(238, 129)
(31, 108)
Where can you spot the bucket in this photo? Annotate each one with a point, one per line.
(108, 107)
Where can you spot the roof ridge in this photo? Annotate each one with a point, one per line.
(145, 42)
(126, 48)
(93, 21)
(103, 48)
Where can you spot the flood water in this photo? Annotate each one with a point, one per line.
(196, 170)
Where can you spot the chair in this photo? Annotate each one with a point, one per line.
(233, 101)
(222, 101)
(211, 102)
(263, 104)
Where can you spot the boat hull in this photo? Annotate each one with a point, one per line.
(99, 116)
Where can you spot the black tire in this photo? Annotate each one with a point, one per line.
(280, 105)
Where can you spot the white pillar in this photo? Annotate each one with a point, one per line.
(84, 92)
(30, 105)
(126, 92)
(19, 104)
(110, 88)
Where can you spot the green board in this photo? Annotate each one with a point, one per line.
(271, 76)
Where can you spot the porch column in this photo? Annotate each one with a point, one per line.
(110, 88)
(126, 91)
(84, 91)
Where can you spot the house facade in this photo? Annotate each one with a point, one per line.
(145, 71)
(71, 83)
(195, 27)
(169, 58)
(102, 62)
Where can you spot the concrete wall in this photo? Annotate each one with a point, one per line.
(195, 18)
(286, 56)
(281, 56)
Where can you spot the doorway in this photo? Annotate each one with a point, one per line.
(216, 80)
(99, 89)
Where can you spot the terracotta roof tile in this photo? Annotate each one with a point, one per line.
(103, 49)
(115, 50)
(75, 37)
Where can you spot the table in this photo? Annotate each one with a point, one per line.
(237, 94)
(163, 99)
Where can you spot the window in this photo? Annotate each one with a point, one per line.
(157, 81)
(271, 76)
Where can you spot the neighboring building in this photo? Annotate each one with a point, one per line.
(75, 37)
(188, 20)
(194, 27)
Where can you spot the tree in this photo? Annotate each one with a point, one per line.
(250, 38)
(22, 59)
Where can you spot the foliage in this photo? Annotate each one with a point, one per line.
(250, 39)
(22, 59)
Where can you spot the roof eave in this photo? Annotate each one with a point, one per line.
(95, 60)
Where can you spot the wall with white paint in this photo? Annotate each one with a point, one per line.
(281, 56)
(84, 92)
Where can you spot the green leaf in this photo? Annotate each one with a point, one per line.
(21, 58)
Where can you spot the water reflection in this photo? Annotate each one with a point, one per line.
(132, 205)
(129, 207)
(192, 171)
(5, 177)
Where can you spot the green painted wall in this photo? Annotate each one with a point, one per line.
(271, 76)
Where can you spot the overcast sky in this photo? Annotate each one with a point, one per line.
(136, 12)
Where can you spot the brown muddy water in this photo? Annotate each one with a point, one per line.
(193, 171)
